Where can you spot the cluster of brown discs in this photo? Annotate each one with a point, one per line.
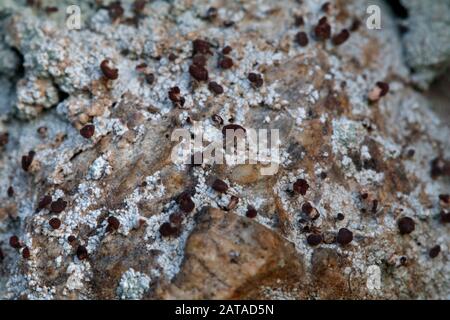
(199, 72)
(15, 243)
(321, 31)
(344, 236)
(174, 226)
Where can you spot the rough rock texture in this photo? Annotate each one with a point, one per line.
(228, 256)
(364, 166)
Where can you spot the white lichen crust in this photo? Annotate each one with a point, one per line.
(133, 285)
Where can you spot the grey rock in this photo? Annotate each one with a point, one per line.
(427, 41)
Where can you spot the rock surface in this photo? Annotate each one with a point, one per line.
(427, 39)
(228, 256)
(135, 225)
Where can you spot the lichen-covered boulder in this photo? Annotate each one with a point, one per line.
(94, 207)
